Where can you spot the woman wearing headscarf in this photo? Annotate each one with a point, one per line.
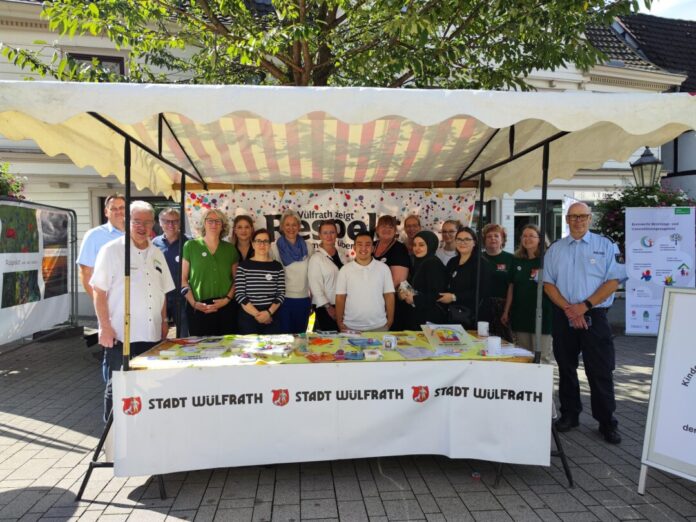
(291, 250)
(207, 278)
(460, 292)
(428, 279)
(323, 271)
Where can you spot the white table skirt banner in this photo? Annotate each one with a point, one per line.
(168, 421)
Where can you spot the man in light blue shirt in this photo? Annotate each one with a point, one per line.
(97, 237)
(581, 274)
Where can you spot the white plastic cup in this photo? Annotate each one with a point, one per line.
(493, 345)
(483, 328)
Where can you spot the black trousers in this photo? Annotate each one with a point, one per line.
(222, 322)
(597, 349)
(249, 325)
(323, 321)
(113, 361)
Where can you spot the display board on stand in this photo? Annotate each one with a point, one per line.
(35, 269)
(670, 432)
(660, 253)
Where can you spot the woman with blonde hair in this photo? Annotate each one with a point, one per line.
(207, 277)
(521, 299)
(291, 251)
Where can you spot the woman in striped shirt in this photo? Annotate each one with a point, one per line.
(259, 288)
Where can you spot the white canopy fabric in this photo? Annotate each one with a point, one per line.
(308, 135)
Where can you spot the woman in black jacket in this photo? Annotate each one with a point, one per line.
(460, 292)
(428, 279)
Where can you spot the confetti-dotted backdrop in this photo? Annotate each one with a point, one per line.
(348, 206)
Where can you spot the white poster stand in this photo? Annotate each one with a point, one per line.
(670, 432)
(660, 250)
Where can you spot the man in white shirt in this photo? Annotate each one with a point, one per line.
(150, 281)
(364, 291)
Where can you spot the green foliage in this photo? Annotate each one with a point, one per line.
(612, 209)
(389, 43)
(11, 185)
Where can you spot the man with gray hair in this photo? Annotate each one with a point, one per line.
(150, 281)
(169, 243)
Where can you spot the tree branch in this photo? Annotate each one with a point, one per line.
(205, 6)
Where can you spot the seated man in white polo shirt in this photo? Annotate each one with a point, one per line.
(364, 291)
(150, 281)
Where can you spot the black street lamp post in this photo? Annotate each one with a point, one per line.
(647, 169)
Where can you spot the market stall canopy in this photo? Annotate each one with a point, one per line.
(309, 135)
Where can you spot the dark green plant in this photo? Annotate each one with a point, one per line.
(612, 209)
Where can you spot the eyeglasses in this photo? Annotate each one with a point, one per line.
(138, 223)
(262, 241)
(578, 217)
(530, 237)
(449, 231)
(169, 221)
(214, 221)
(465, 240)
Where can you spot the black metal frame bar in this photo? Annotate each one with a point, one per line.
(163, 118)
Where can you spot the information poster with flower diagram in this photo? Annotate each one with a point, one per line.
(34, 269)
(354, 210)
(660, 253)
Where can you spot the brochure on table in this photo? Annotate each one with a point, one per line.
(435, 342)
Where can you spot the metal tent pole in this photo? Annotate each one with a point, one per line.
(126, 267)
(182, 230)
(542, 249)
(479, 226)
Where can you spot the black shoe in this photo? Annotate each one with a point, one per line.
(566, 424)
(611, 434)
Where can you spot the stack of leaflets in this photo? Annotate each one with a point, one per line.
(447, 335)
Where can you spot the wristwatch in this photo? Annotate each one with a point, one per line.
(588, 304)
(454, 298)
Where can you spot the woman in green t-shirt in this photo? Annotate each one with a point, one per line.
(520, 303)
(207, 278)
(494, 238)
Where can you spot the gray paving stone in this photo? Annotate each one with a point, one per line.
(352, 511)
(585, 516)
(397, 495)
(144, 515)
(234, 515)
(374, 507)
(435, 517)
(287, 492)
(491, 516)
(603, 514)
(286, 513)
(318, 508)
(403, 509)
(368, 488)
(181, 515)
(480, 501)
(189, 497)
(21, 504)
(234, 503)
(427, 503)
(562, 502)
(453, 509)
(262, 512)
(516, 507)
(347, 487)
(547, 515)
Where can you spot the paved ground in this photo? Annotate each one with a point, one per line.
(50, 409)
